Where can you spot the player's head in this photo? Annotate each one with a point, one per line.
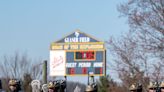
(13, 84)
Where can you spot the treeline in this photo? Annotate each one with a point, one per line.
(138, 55)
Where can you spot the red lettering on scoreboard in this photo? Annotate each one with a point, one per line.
(101, 70)
(84, 70)
(72, 70)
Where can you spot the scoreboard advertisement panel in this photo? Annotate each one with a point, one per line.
(57, 67)
(77, 54)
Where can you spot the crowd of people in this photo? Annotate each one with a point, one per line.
(60, 86)
(152, 87)
(52, 86)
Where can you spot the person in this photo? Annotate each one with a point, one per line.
(14, 85)
(1, 86)
(162, 86)
(135, 88)
(152, 87)
(95, 87)
(44, 88)
(51, 87)
(62, 85)
(89, 88)
(36, 86)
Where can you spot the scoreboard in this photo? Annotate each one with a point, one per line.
(77, 54)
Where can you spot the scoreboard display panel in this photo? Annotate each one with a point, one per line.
(83, 62)
(81, 55)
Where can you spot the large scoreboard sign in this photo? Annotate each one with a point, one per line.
(77, 54)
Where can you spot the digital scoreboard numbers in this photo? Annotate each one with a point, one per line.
(85, 71)
(85, 55)
(98, 70)
(71, 71)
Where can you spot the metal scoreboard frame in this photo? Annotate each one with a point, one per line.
(77, 54)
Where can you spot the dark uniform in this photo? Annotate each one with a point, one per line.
(62, 85)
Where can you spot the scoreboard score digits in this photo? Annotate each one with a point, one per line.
(85, 55)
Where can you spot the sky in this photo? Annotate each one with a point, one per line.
(29, 26)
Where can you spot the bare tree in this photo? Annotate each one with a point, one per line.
(146, 20)
(139, 55)
(131, 63)
(19, 67)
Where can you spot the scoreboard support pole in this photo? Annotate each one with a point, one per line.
(88, 77)
(105, 63)
(66, 83)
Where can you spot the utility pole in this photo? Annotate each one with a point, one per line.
(45, 72)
